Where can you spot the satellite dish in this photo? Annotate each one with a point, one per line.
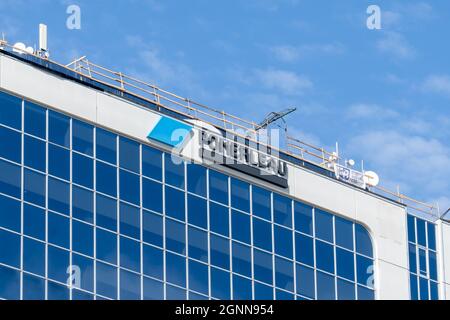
(371, 178)
(19, 47)
(29, 50)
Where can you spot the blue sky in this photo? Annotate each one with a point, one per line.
(383, 94)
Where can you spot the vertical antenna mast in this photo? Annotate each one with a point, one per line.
(43, 46)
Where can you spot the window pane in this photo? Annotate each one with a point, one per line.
(196, 179)
(434, 291)
(219, 219)
(261, 203)
(197, 211)
(220, 252)
(423, 262)
(240, 195)
(152, 195)
(263, 292)
(283, 242)
(83, 204)
(10, 179)
(35, 120)
(303, 218)
(59, 129)
(11, 146)
(240, 226)
(284, 274)
(152, 163)
(304, 249)
(414, 287)
(175, 236)
(344, 233)
(83, 238)
(198, 277)
(421, 236)
(175, 204)
(263, 266)
(153, 290)
(10, 213)
(10, 254)
(58, 230)
(423, 285)
(431, 228)
(33, 288)
(106, 179)
(346, 290)
(242, 259)
(363, 241)
(153, 262)
(129, 154)
(365, 294)
(34, 187)
(325, 287)
(198, 244)
(282, 212)
(35, 153)
(86, 266)
(220, 284)
(34, 257)
(218, 187)
(130, 286)
(433, 265)
(365, 270)
(57, 292)
(78, 295)
(345, 264)
(83, 170)
(174, 293)
(412, 258)
(324, 225)
(106, 212)
(130, 221)
(283, 295)
(242, 288)
(262, 234)
(10, 111)
(106, 147)
(59, 162)
(305, 281)
(324, 256)
(34, 222)
(82, 139)
(411, 229)
(106, 280)
(130, 254)
(10, 284)
(176, 269)
(58, 196)
(58, 262)
(174, 170)
(153, 228)
(106, 246)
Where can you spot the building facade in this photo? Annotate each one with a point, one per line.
(96, 203)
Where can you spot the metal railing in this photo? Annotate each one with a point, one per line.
(228, 122)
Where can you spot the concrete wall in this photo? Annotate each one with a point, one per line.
(385, 220)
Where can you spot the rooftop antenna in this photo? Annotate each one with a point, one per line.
(43, 46)
(274, 116)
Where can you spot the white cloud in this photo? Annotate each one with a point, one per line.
(287, 53)
(287, 82)
(437, 84)
(395, 44)
(370, 111)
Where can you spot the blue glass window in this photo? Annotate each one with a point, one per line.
(10, 284)
(10, 179)
(130, 254)
(242, 288)
(240, 226)
(129, 154)
(58, 230)
(431, 228)
(283, 242)
(34, 257)
(11, 146)
(176, 269)
(152, 195)
(283, 295)
(434, 291)
(414, 287)
(423, 284)
(58, 196)
(130, 286)
(197, 211)
(175, 236)
(219, 219)
(282, 211)
(58, 262)
(263, 266)
(220, 284)
(175, 203)
(304, 249)
(198, 244)
(106, 146)
(345, 264)
(363, 241)
(83, 137)
(240, 195)
(174, 171)
(423, 262)
(325, 287)
(106, 179)
(106, 280)
(174, 293)
(284, 274)
(346, 290)
(34, 187)
(261, 203)
(196, 178)
(106, 246)
(78, 295)
(10, 111)
(34, 153)
(220, 252)
(59, 129)
(411, 229)
(82, 238)
(33, 288)
(324, 225)
(262, 234)
(10, 213)
(365, 294)
(35, 120)
(153, 290)
(364, 269)
(10, 254)
(152, 163)
(421, 236)
(242, 259)
(344, 233)
(412, 258)
(86, 266)
(198, 277)
(218, 187)
(83, 204)
(34, 222)
(303, 218)
(153, 262)
(130, 221)
(58, 162)
(83, 170)
(263, 292)
(57, 292)
(153, 228)
(305, 281)
(433, 265)
(324, 256)
(106, 212)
